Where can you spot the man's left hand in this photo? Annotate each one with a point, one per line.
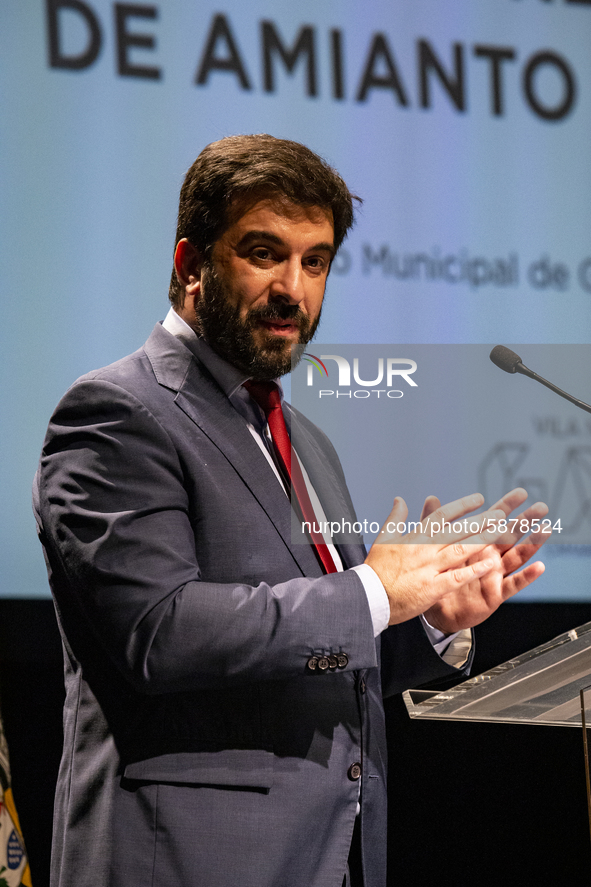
(474, 602)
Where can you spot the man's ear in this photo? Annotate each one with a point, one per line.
(187, 264)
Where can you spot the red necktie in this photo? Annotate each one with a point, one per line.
(266, 394)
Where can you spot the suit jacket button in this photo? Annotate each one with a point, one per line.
(323, 663)
(342, 660)
(332, 661)
(312, 663)
(354, 771)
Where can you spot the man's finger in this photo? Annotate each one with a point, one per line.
(519, 554)
(480, 528)
(518, 581)
(458, 553)
(432, 503)
(395, 526)
(511, 500)
(528, 522)
(451, 580)
(456, 509)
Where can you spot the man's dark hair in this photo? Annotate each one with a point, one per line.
(239, 167)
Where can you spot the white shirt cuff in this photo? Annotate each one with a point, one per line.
(453, 648)
(439, 639)
(379, 605)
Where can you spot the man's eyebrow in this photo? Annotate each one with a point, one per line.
(254, 235)
(324, 246)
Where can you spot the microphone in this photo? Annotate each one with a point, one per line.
(510, 362)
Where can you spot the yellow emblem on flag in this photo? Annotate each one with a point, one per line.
(14, 867)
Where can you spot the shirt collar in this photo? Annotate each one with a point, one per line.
(229, 378)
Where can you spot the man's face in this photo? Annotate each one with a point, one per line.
(261, 290)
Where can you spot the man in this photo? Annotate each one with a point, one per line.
(223, 720)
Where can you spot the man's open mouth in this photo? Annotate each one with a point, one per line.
(280, 327)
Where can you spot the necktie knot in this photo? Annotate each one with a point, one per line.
(266, 394)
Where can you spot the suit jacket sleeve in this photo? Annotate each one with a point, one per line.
(122, 535)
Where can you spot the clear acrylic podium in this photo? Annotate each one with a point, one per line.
(545, 686)
(540, 687)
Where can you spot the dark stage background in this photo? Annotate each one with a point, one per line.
(470, 803)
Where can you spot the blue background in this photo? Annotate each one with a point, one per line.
(91, 162)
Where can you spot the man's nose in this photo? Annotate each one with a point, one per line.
(287, 285)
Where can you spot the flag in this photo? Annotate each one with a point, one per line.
(14, 866)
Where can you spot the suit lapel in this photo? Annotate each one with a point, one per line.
(202, 400)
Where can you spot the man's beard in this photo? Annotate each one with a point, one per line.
(232, 337)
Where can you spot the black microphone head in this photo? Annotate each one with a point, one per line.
(505, 359)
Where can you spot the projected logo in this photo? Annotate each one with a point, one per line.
(389, 372)
(565, 484)
(314, 363)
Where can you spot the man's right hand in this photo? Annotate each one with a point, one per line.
(418, 569)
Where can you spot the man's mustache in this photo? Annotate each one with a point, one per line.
(278, 312)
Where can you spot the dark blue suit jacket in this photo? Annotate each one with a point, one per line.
(199, 750)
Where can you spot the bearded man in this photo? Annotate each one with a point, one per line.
(223, 721)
